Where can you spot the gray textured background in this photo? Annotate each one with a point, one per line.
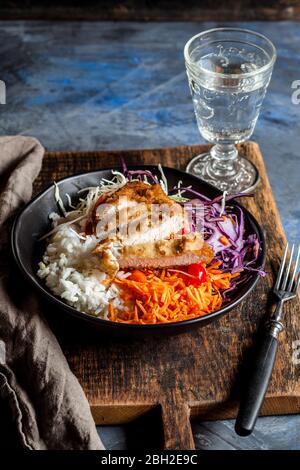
(87, 86)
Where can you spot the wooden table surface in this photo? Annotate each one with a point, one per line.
(86, 86)
(199, 373)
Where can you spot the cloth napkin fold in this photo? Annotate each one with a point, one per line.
(40, 394)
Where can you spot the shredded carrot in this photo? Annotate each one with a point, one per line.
(162, 296)
(224, 240)
(111, 312)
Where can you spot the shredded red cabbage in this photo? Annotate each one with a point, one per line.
(241, 251)
(137, 174)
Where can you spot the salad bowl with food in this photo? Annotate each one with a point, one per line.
(139, 249)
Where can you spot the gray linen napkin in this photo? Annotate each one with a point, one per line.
(45, 401)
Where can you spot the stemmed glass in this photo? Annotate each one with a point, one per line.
(229, 70)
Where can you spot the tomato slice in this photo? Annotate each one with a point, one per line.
(197, 270)
(138, 276)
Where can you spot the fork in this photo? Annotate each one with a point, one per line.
(285, 289)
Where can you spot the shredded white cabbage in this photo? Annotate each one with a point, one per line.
(55, 229)
(70, 201)
(223, 203)
(59, 199)
(178, 197)
(163, 182)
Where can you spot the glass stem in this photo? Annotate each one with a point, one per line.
(224, 158)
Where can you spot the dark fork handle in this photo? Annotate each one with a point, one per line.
(259, 378)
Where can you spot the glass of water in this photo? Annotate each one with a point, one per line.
(229, 70)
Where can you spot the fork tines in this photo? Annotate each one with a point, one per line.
(288, 278)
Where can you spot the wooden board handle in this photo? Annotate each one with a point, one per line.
(177, 430)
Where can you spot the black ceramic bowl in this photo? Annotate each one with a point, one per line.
(33, 222)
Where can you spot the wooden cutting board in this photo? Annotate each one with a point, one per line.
(196, 374)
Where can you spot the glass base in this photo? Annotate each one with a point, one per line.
(243, 178)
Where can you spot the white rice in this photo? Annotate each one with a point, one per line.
(69, 269)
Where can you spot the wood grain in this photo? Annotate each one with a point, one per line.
(197, 373)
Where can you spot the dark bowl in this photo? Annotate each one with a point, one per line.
(33, 222)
